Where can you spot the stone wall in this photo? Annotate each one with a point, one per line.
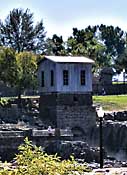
(47, 107)
(9, 115)
(68, 110)
(10, 140)
(78, 118)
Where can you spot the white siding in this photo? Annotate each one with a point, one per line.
(74, 77)
(47, 66)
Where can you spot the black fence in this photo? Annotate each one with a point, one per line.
(110, 89)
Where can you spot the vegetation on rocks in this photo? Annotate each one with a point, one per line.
(3, 102)
(31, 160)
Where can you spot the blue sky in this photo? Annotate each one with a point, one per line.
(60, 16)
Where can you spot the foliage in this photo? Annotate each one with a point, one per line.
(111, 102)
(121, 62)
(104, 44)
(55, 46)
(8, 70)
(18, 69)
(3, 102)
(26, 70)
(85, 42)
(32, 161)
(19, 32)
(113, 38)
(82, 42)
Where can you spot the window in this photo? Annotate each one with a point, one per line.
(52, 78)
(83, 77)
(42, 79)
(65, 77)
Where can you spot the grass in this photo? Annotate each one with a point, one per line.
(111, 102)
(119, 82)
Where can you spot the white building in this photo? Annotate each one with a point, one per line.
(65, 74)
(65, 85)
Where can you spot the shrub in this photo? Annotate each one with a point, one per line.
(3, 102)
(31, 160)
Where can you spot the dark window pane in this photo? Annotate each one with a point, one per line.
(52, 78)
(83, 77)
(42, 79)
(65, 77)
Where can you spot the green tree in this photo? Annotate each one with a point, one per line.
(8, 66)
(104, 44)
(85, 42)
(18, 69)
(82, 42)
(26, 71)
(121, 64)
(19, 32)
(55, 46)
(114, 40)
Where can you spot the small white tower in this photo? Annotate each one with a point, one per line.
(65, 85)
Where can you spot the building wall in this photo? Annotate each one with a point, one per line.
(68, 110)
(47, 66)
(48, 108)
(75, 111)
(74, 77)
(81, 117)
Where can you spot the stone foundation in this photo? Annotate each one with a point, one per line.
(80, 117)
(10, 140)
(68, 110)
(48, 108)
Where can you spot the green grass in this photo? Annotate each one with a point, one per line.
(119, 82)
(111, 102)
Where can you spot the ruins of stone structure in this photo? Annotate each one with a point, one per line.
(65, 85)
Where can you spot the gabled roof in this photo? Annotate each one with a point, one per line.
(69, 59)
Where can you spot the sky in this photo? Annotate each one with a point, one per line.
(60, 16)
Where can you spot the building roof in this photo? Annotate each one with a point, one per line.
(69, 59)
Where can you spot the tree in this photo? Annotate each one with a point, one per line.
(121, 64)
(19, 32)
(26, 71)
(55, 46)
(101, 43)
(114, 40)
(86, 43)
(8, 66)
(18, 69)
(82, 42)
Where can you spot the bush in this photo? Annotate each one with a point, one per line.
(3, 102)
(31, 160)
